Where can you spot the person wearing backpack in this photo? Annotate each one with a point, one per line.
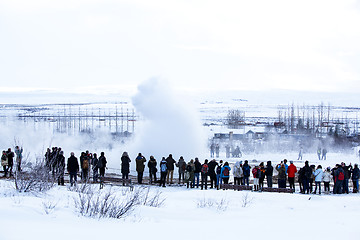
(339, 178)
(218, 174)
(163, 171)
(347, 172)
(326, 179)
(197, 172)
(125, 166)
(4, 162)
(225, 173)
(152, 169)
(182, 167)
(85, 165)
(355, 172)
(140, 167)
(189, 174)
(246, 171)
(204, 174)
(102, 165)
(212, 174)
(318, 174)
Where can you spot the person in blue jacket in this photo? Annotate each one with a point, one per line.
(246, 171)
(225, 173)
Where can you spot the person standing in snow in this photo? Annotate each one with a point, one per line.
(4, 162)
(291, 175)
(140, 167)
(190, 175)
(355, 172)
(101, 164)
(152, 169)
(212, 166)
(300, 154)
(281, 175)
(225, 173)
(60, 168)
(318, 174)
(238, 173)
(170, 167)
(307, 173)
(73, 168)
(10, 156)
(324, 152)
(217, 150)
(326, 179)
(18, 152)
(125, 166)
(182, 167)
(197, 172)
(246, 172)
(261, 176)
(269, 174)
(163, 171)
(204, 174)
(94, 162)
(318, 152)
(218, 174)
(212, 150)
(256, 174)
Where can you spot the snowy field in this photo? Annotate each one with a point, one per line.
(185, 214)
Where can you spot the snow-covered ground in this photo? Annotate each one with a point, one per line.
(183, 216)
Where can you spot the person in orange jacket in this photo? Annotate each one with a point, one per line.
(291, 175)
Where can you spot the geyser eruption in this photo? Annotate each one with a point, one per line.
(172, 125)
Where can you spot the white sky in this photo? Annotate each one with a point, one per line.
(199, 44)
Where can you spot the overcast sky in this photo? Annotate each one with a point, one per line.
(198, 44)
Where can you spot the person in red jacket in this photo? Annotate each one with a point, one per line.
(291, 175)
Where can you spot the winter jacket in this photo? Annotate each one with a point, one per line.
(355, 173)
(222, 171)
(282, 172)
(347, 171)
(10, 156)
(170, 163)
(246, 170)
(307, 171)
(4, 160)
(197, 167)
(212, 165)
(318, 174)
(125, 164)
(102, 162)
(237, 171)
(326, 177)
(269, 169)
(291, 171)
(72, 164)
(60, 163)
(181, 165)
(18, 152)
(152, 165)
(140, 166)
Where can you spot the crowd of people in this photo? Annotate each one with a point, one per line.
(195, 174)
(7, 160)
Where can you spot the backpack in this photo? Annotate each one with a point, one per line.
(4, 160)
(341, 176)
(205, 168)
(85, 164)
(254, 171)
(226, 172)
(163, 167)
(183, 167)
